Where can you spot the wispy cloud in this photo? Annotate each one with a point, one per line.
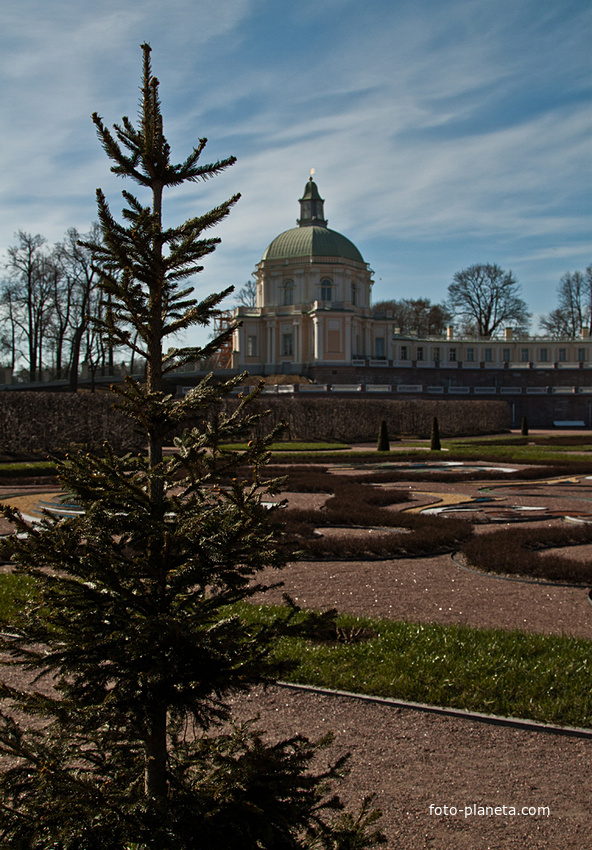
(439, 128)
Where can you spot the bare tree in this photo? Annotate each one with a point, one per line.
(51, 297)
(61, 302)
(416, 315)
(574, 310)
(31, 270)
(11, 333)
(488, 298)
(247, 295)
(80, 279)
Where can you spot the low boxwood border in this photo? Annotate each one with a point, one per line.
(517, 551)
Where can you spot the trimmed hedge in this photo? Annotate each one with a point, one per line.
(52, 422)
(356, 503)
(357, 419)
(44, 422)
(517, 551)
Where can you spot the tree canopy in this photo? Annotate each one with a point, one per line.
(574, 308)
(416, 315)
(486, 298)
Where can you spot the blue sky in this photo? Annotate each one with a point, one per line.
(443, 132)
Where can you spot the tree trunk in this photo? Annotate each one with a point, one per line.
(155, 772)
(75, 359)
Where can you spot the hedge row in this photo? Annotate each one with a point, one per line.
(355, 502)
(52, 422)
(358, 420)
(44, 422)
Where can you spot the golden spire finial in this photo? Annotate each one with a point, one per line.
(312, 171)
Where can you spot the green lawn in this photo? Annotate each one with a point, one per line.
(506, 449)
(293, 446)
(27, 468)
(14, 592)
(502, 449)
(512, 674)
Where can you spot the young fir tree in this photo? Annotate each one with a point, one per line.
(129, 640)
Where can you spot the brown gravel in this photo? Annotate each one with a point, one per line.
(435, 590)
(411, 760)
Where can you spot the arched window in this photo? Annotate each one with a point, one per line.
(288, 292)
(354, 295)
(326, 290)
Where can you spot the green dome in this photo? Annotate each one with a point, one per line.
(311, 241)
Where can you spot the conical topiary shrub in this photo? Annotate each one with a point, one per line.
(524, 428)
(435, 445)
(383, 438)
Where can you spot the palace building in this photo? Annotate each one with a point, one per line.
(313, 317)
(313, 300)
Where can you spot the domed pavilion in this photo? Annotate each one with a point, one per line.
(313, 300)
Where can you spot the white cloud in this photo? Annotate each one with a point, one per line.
(433, 123)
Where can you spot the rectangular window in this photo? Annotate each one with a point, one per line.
(404, 353)
(581, 355)
(506, 357)
(436, 352)
(420, 352)
(562, 355)
(470, 355)
(452, 355)
(488, 355)
(333, 341)
(544, 355)
(524, 355)
(251, 346)
(379, 348)
(287, 345)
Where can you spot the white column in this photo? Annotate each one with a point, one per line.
(318, 339)
(242, 349)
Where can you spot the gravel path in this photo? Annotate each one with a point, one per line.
(435, 590)
(411, 760)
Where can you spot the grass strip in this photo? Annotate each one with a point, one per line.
(450, 452)
(27, 468)
(510, 673)
(294, 446)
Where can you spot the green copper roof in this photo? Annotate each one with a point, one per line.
(313, 241)
(311, 192)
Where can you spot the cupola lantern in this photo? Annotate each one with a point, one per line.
(311, 207)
